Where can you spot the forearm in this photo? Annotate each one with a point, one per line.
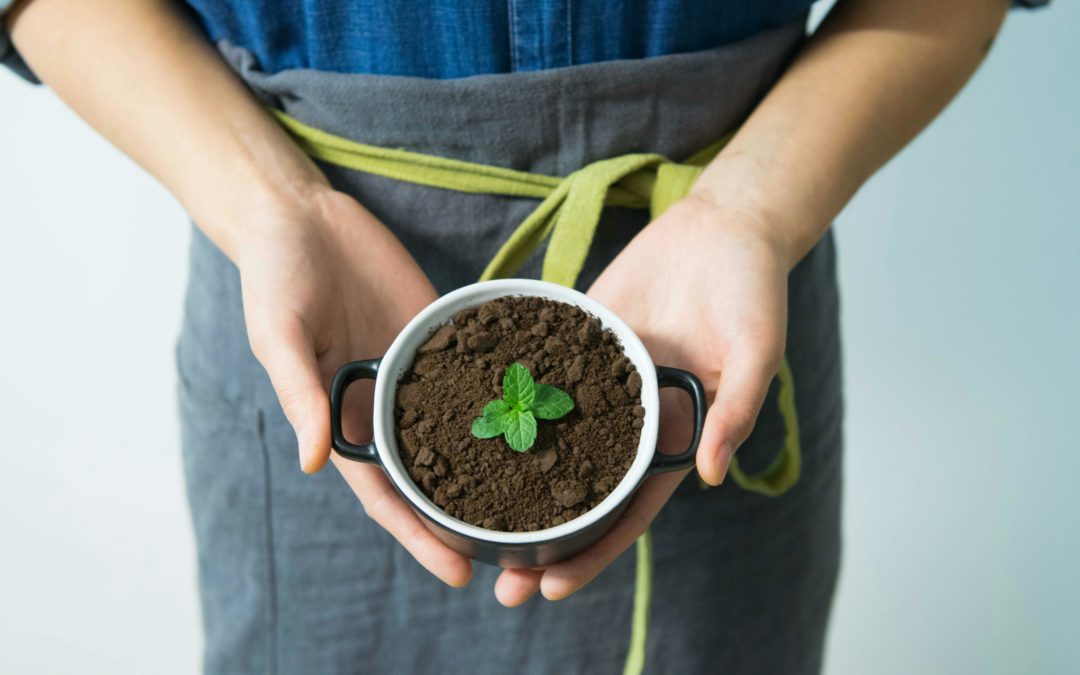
(868, 81)
(142, 75)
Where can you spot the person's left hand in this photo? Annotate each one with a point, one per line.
(706, 290)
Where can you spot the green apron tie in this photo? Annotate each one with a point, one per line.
(571, 213)
(568, 214)
(571, 206)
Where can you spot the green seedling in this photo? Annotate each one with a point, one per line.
(514, 415)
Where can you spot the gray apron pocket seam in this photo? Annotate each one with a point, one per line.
(271, 558)
(221, 438)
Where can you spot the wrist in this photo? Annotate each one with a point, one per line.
(749, 220)
(250, 202)
(768, 199)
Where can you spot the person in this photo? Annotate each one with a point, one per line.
(300, 264)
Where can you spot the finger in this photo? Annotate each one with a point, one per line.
(386, 507)
(357, 411)
(566, 578)
(676, 421)
(744, 382)
(514, 587)
(288, 355)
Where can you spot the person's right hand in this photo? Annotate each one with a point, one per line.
(324, 284)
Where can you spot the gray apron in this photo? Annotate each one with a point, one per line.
(295, 578)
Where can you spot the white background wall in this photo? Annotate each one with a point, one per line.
(960, 271)
(961, 278)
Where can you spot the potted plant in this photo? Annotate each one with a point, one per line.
(517, 417)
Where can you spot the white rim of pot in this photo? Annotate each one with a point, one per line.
(399, 357)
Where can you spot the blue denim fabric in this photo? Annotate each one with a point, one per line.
(444, 39)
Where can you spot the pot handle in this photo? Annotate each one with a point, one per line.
(346, 375)
(688, 382)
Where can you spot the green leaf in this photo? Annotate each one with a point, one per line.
(497, 408)
(493, 421)
(518, 387)
(520, 430)
(483, 427)
(550, 403)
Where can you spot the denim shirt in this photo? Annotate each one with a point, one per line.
(447, 39)
(439, 39)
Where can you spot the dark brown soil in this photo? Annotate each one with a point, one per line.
(576, 461)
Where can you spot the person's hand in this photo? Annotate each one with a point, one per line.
(324, 284)
(706, 290)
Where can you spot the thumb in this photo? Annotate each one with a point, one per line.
(744, 382)
(288, 355)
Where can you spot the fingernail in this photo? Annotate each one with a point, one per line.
(304, 451)
(723, 459)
